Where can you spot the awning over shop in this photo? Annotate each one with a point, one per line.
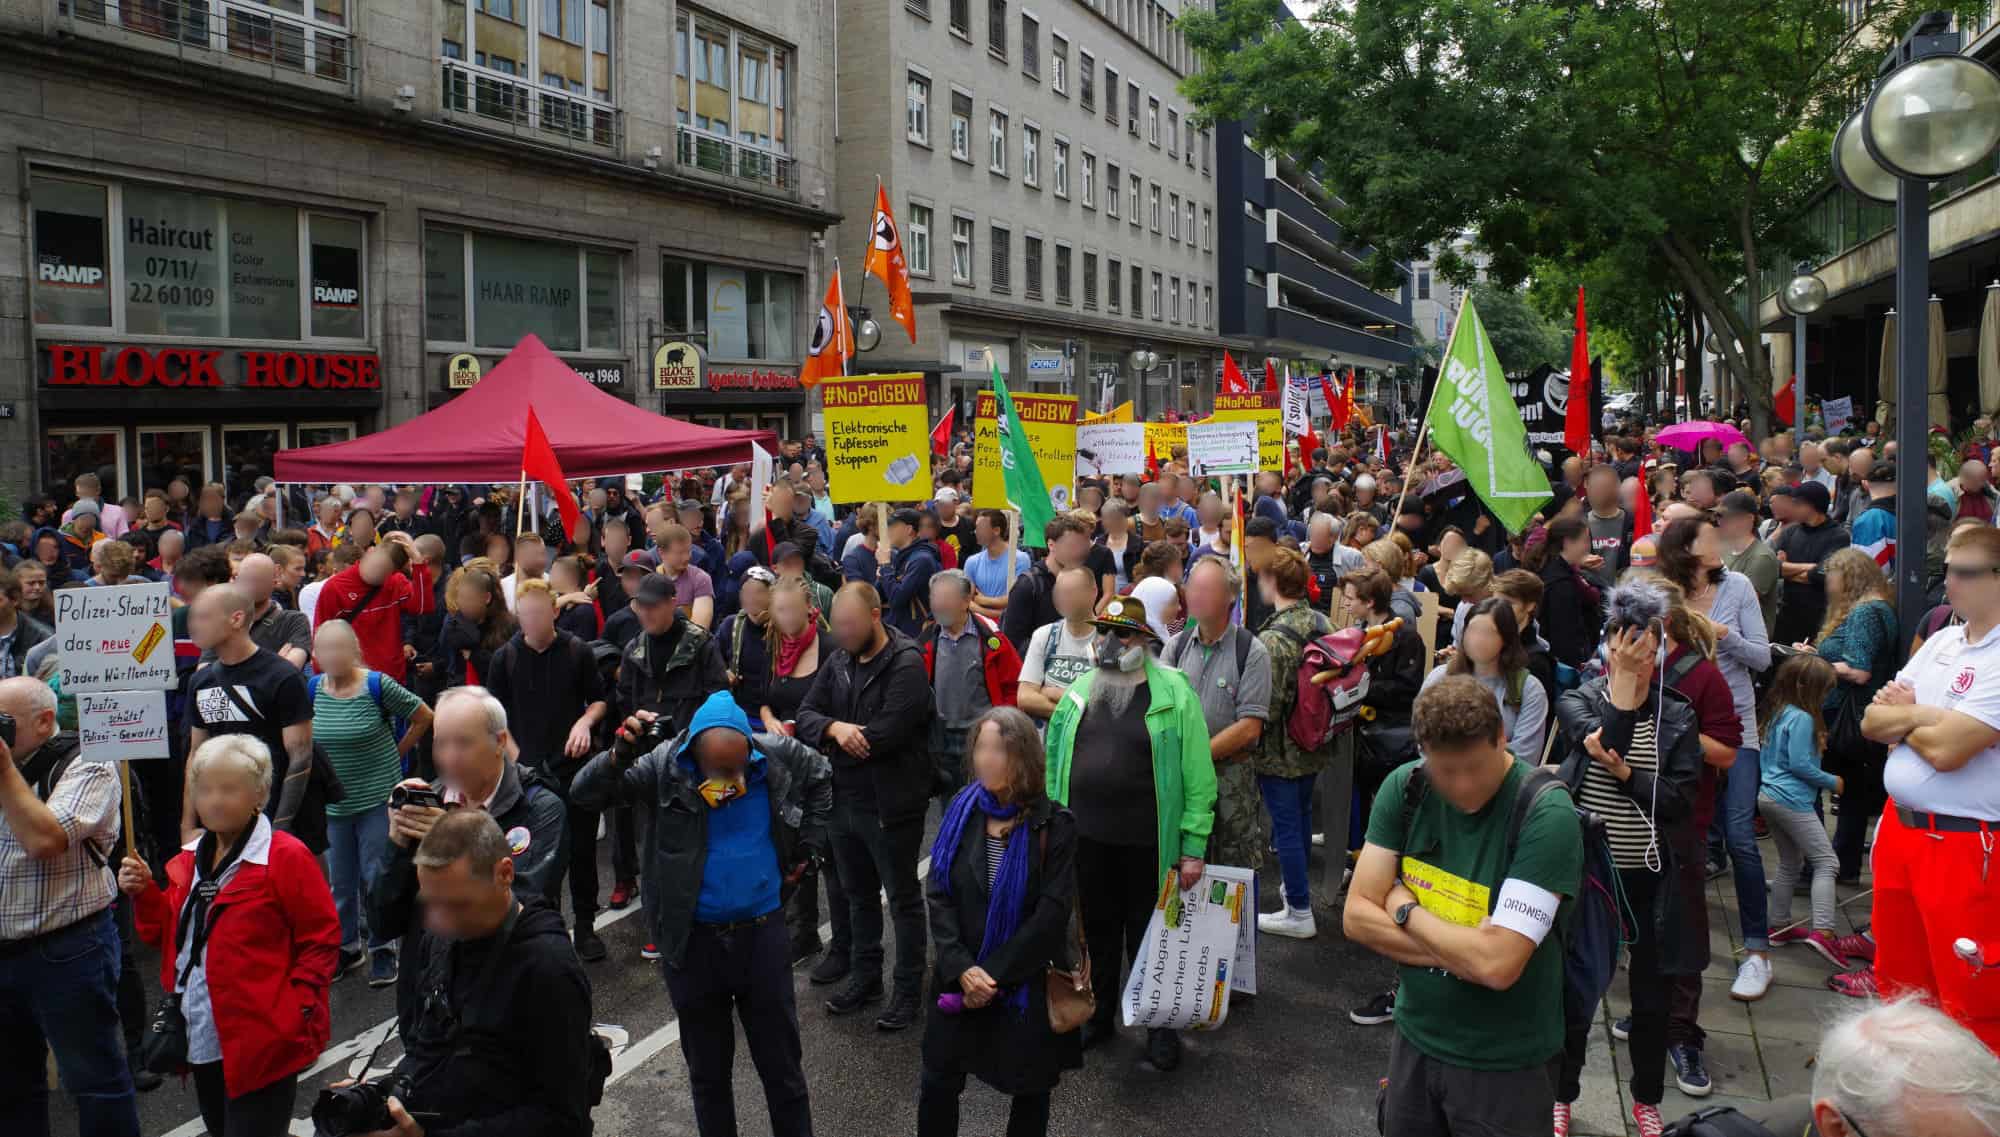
(477, 437)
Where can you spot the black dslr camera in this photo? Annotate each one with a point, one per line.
(360, 1108)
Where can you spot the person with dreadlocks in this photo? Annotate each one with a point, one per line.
(1000, 892)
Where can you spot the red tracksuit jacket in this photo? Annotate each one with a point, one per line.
(379, 625)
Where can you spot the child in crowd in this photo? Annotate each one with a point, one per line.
(1794, 738)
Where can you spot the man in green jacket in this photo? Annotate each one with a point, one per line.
(1128, 754)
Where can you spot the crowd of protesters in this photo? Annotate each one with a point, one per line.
(755, 703)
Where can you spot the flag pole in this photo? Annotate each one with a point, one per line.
(521, 506)
(1424, 427)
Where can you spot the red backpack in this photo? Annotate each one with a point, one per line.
(1332, 681)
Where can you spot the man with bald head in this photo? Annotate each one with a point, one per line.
(272, 627)
(1976, 496)
(1853, 500)
(245, 689)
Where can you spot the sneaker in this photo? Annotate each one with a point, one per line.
(1621, 1029)
(1753, 979)
(1163, 1050)
(622, 894)
(350, 958)
(589, 948)
(382, 968)
(1790, 936)
(1717, 868)
(857, 994)
(1855, 984)
(1690, 1074)
(1319, 840)
(1381, 1009)
(1856, 948)
(1823, 944)
(1648, 1121)
(1292, 923)
(649, 950)
(900, 1014)
(1562, 1119)
(832, 968)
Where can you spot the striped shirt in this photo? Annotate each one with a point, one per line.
(360, 743)
(1625, 820)
(996, 847)
(42, 896)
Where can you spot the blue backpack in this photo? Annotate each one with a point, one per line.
(374, 687)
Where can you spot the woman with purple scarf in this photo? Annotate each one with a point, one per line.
(1001, 891)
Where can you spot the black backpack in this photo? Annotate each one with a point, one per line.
(1717, 1121)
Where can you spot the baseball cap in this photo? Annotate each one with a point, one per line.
(909, 517)
(639, 560)
(687, 505)
(655, 589)
(785, 551)
(1741, 502)
(1814, 495)
(947, 494)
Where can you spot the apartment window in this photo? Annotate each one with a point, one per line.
(961, 126)
(1031, 255)
(1111, 94)
(917, 109)
(996, 142)
(920, 7)
(961, 18)
(747, 101)
(1208, 306)
(1173, 217)
(1090, 282)
(996, 27)
(1138, 294)
(1423, 284)
(1114, 282)
(1153, 298)
(1031, 155)
(1132, 187)
(1207, 220)
(961, 250)
(1173, 131)
(1086, 80)
(1187, 216)
(1153, 205)
(1204, 150)
(1063, 260)
(1087, 173)
(917, 238)
(1059, 166)
(1174, 299)
(1132, 109)
(1187, 144)
(1059, 65)
(569, 50)
(1111, 190)
(746, 313)
(1031, 46)
(1002, 258)
(1152, 120)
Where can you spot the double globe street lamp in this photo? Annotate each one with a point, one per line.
(1933, 113)
(1803, 295)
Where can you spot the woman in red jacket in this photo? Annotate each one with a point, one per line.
(248, 939)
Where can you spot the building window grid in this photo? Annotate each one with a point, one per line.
(1087, 179)
(920, 7)
(1132, 109)
(1187, 220)
(1173, 217)
(468, 240)
(1059, 166)
(1153, 297)
(961, 249)
(917, 109)
(1114, 281)
(996, 28)
(1173, 132)
(1153, 121)
(961, 18)
(1204, 151)
(918, 238)
(1153, 206)
(1188, 142)
(1174, 299)
(1134, 189)
(1112, 188)
(1059, 65)
(1207, 228)
(1031, 155)
(497, 86)
(1086, 80)
(1090, 282)
(751, 62)
(1111, 94)
(1031, 267)
(961, 126)
(996, 140)
(1002, 257)
(1031, 46)
(1065, 259)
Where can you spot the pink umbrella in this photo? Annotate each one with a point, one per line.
(1690, 435)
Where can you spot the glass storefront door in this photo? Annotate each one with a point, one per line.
(75, 450)
(169, 452)
(247, 452)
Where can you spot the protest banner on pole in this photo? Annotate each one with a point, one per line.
(1110, 448)
(1837, 412)
(1263, 408)
(1181, 978)
(1223, 448)
(1163, 437)
(119, 640)
(117, 726)
(877, 437)
(1049, 424)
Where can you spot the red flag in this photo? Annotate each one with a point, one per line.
(1271, 375)
(885, 260)
(1308, 442)
(1576, 416)
(1642, 512)
(1333, 403)
(538, 461)
(1785, 403)
(1152, 461)
(1347, 397)
(941, 436)
(1233, 382)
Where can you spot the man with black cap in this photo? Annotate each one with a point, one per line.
(1742, 552)
(621, 623)
(904, 566)
(789, 562)
(1801, 546)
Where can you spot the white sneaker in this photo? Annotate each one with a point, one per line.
(1319, 840)
(1293, 923)
(1753, 978)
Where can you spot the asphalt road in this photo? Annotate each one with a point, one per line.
(1287, 1062)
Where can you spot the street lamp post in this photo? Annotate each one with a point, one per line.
(1143, 360)
(1933, 113)
(1804, 295)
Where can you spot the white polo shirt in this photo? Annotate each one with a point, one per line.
(1948, 672)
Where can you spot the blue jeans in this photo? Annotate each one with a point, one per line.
(61, 993)
(356, 846)
(1289, 801)
(1735, 814)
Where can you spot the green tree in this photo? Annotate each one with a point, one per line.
(1663, 146)
(1522, 337)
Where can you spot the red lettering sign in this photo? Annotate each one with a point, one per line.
(94, 365)
(758, 379)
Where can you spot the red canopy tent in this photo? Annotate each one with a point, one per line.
(477, 437)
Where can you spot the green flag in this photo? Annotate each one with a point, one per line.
(1473, 419)
(1025, 489)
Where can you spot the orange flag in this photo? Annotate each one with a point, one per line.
(885, 260)
(832, 338)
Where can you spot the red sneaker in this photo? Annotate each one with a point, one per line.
(649, 950)
(1857, 948)
(621, 893)
(1647, 1118)
(1562, 1119)
(1855, 984)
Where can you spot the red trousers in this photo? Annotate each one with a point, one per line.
(1932, 889)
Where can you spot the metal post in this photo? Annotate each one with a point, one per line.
(1799, 373)
(1913, 288)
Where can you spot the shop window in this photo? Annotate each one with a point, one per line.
(72, 276)
(602, 300)
(263, 271)
(322, 433)
(247, 452)
(568, 295)
(732, 311)
(72, 451)
(169, 452)
(444, 286)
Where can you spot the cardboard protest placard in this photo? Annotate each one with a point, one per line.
(1163, 437)
(1222, 448)
(1182, 976)
(116, 638)
(877, 438)
(1263, 408)
(1110, 448)
(1049, 424)
(117, 726)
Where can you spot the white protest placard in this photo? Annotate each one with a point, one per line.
(117, 726)
(1183, 974)
(117, 638)
(1110, 448)
(1837, 412)
(1222, 448)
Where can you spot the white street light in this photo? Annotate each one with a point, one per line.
(1857, 168)
(1933, 117)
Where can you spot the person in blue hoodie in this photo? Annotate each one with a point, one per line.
(905, 565)
(739, 820)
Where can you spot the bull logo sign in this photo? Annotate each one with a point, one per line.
(677, 367)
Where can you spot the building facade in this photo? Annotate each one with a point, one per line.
(231, 230)
(1056, 198)
(1434, 308)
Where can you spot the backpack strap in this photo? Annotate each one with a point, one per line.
(312, 684)
(375, 688)
(1243, 640)
(736, 644)
(1414, 788)
(1534, 783)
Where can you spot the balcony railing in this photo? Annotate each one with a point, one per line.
(530, 110)
(252, 32)
(739, 161)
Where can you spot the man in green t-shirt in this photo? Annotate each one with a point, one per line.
(1479, 1019)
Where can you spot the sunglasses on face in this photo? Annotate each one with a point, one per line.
(1971, 572)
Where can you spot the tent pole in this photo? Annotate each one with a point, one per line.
(521, 507)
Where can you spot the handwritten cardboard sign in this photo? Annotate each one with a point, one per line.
(117, 726)
(118, 638)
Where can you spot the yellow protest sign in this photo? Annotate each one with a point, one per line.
(1163, 437)
(1120, 413)
(877, 438)
(1049, 422)
(1264, 409)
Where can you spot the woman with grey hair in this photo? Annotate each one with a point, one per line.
(1901, 1069)
(251, 989)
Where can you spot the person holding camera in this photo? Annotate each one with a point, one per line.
(469, 744)
(492, 1006)
(739, 819)
(246, 997)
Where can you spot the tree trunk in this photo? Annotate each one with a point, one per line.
(1712, 298)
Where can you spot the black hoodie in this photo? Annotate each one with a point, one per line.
(518, 1064)
(889, 698)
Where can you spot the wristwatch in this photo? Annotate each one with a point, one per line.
(1402, 914)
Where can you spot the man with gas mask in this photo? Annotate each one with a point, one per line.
(1128, 753)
